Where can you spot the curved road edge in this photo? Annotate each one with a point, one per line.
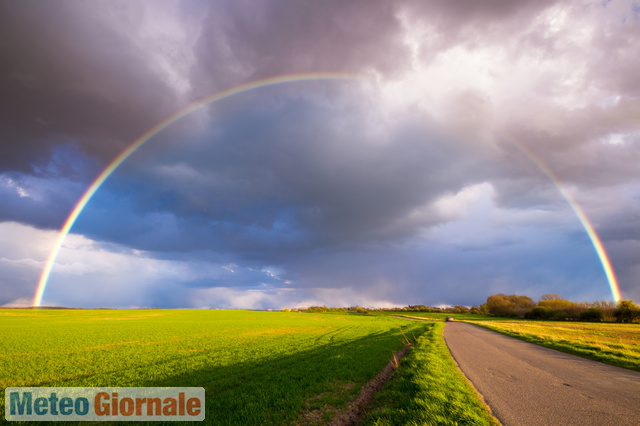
(526, 384)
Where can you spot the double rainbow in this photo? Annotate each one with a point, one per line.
(146, 136)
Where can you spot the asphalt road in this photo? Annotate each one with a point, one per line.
(525, 384)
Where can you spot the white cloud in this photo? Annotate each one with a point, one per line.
(280, 298)
(10, 183)
(164, 34)
(22, 302)
(456, 206)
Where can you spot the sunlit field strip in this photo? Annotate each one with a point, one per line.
(256, 367)
(616, 344)
(428, 389)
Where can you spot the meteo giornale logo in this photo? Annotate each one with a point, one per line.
(104, 404)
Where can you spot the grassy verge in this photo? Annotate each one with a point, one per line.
(256, 367)
(429, 389)
(615, 344)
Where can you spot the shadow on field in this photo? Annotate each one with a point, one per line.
(277, 390)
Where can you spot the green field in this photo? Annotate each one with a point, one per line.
(256, 367)
(612, 343)
(429, 389)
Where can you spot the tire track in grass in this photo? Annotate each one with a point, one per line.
(257, 379)
(429, 389)
(355, 413)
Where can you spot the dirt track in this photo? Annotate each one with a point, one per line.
(526, 384)
(355, 413)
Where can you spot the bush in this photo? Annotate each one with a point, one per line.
(560, 316)
(538, 313)
(513, 305)
(627, 311)
(558, 304)
(459, 309)
(591, 314)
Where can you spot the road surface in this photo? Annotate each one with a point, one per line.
(525, 384)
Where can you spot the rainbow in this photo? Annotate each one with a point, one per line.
(582, 217)
(144, 138)
(147, 135)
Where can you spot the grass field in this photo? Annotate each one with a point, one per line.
(616, 344)
(256, 367)
(429, 390)
(278, 367)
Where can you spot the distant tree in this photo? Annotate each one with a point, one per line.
(607, 307)
(627, 311)
(591, 314)
(484, 309)
(475, 310)
(553, 296)
(500, 305)
(558, 304)
(538, 313)
(559, 315)
(459, 309)
(508, 306)
(524, 302)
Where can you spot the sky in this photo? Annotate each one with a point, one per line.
(429, 169)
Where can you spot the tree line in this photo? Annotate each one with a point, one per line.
(457, 309)
(554, 307)
(549, 307)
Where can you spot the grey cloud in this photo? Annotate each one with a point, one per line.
(243, 41)
(616, 39)
(295, 175)
(301, 167)
(43, 203)
(66, 74)
(624, 257)
(470, 11)
(444, 24)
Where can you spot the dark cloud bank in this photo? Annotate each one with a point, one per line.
(403, 189)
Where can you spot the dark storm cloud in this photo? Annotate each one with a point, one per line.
(45, 197)
(576, 147)
(486, 12)
(284, 176)
(66, 74)
(26, 209)
(243, 41)
(405, 188)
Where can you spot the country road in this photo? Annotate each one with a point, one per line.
(525, 384)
